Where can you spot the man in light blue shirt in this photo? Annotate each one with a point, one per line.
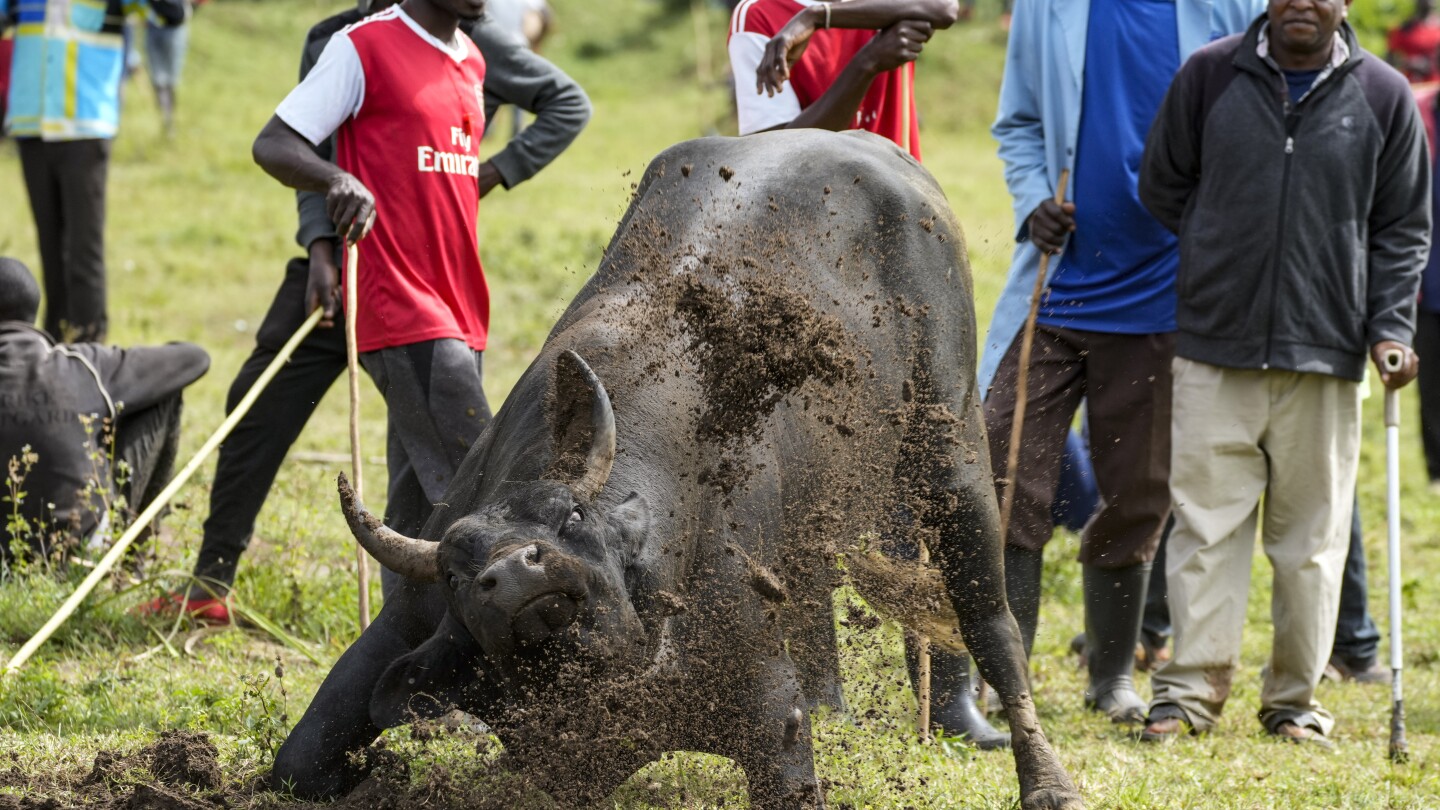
(1083, 80)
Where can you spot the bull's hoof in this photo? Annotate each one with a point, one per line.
(1062, 798)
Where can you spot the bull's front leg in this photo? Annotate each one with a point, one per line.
(771, 741)
(314, 762)
(970, 557)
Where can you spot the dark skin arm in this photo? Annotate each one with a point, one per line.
(1050, 224)
(786, 47)
(322, 285)
(835, 110)
(1409, 366)
(285, 155)
(489, 178)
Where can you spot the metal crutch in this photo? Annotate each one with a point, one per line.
(1399, 751)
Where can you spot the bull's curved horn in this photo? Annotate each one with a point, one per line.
(580, 435)
(417, 560)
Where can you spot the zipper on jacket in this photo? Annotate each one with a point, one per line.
(1292, 122)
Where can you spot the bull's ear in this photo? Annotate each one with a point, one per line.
(582, 426)
(441, 674)
(632, 519)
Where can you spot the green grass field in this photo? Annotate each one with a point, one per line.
(198, 238)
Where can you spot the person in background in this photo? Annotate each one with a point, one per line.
(64, 114)
(1427, 319)
(1275, 326)
(7, 53)
(1413, 45)
(251, 458)
(528, 21)
(85, 427)
(165, 47)
(844, 66)
(832, 65)
(1082, 83)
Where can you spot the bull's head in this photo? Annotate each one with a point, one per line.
(540, 575)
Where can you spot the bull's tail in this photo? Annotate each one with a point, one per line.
(909, 593)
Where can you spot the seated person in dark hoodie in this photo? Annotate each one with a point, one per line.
(86, 425)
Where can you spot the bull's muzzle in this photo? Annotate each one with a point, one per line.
(533, 588)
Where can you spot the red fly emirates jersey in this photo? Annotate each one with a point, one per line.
(889, 105)
(415, 144)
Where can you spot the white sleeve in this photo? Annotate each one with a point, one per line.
(330, 95)
(757, 111)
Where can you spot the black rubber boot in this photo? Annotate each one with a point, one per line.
(1114, 606)
(1022, 590)
(952, 699)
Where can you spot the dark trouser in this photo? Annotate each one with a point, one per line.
(251, 457)
(1126, 381)
(66, 182)
(1357, 639)
(1427, 345)
(437, 409)
(147, 441)
(1156, 623)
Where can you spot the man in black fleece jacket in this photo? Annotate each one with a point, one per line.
(1293, 166)
(251, 457)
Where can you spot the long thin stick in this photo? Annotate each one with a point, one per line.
(153, 509)
(1022, 383)
(905, 74)
(922, 674)
(1399, 750)
(352, 361)
(922, 668)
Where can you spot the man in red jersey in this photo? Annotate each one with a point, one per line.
(837, 66)
(402, 93)
(832, 65)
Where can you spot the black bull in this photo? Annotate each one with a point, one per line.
(774, 360)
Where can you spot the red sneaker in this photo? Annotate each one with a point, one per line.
(206, 611)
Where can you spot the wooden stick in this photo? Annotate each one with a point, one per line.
(352, 362)
(1022, 382)
(905, 75)
(153, 509)
(922, 670)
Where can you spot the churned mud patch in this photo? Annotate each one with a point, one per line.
(755, 344)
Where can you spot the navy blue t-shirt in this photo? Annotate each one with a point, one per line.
(1117, 274)
(1299, 82)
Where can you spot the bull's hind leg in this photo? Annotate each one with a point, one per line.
(810, 631)
(954, 496)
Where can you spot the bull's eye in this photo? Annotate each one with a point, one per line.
(454, 582)
(576, 515)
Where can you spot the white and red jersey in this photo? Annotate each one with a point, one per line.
(888, 108)
(407, 111)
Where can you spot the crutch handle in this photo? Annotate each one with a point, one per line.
(1391, 362)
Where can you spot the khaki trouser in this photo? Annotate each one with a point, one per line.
(1238, 435)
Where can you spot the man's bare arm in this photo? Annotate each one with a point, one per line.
(285, 155)
(786, 47)
(885, 13)
(835, 109)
